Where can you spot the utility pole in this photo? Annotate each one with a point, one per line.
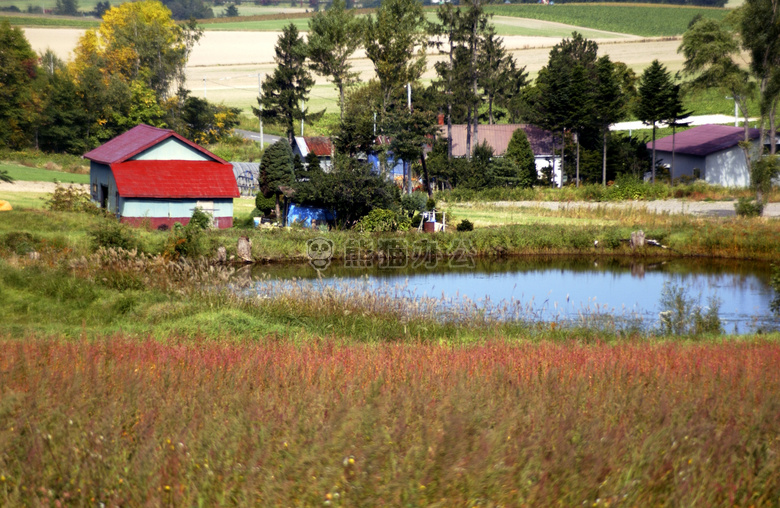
(260, 93)
(408, 164)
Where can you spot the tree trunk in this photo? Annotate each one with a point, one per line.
(490, 110)
(671, 168)
(468, 134)
(577, 172)
(278, 212)
(426, 178)
(341, 100)
(653, 160)
(604, 159)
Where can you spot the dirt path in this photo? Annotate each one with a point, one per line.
(670, 206)
(42, 187)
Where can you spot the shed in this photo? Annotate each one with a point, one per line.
(713, 150)
(155, 176)
(498, 136)
(320, 146)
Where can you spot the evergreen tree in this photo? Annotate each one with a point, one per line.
(333, 37)
(395, 42)
(231, 11)
(277, 172)
(290, 83)
(67, 8)
(676, 118)
(609, 103)
(656, 98)
(520, 153)
(498, 75)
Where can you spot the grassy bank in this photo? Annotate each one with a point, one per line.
(181, 423)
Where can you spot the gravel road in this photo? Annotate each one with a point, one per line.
(22, 186)
(671, 206)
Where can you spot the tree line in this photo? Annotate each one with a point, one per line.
(129, 70)
(577, 95)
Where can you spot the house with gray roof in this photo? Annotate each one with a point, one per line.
(711, 152)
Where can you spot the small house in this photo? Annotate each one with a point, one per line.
(498, 136)
(320, 146)
(709, 152)
(155, 176)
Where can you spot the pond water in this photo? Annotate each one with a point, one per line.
(565, 288)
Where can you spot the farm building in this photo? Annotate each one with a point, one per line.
(498, 136)
(710, 151)
(321, 146)
(155, 176)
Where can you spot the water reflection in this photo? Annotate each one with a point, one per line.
(566, 287)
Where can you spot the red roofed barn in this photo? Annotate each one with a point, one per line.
(155, 175)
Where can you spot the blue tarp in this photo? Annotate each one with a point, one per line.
(305, 214)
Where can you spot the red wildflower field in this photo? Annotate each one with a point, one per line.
(126, 423)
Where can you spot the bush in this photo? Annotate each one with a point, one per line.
(414, 202)
(20, 242)
(200, 219)
(682, 315)
(465, 225)
(265, 205)
(72, 199)
(111, 233)
(747, 207)
(381, 220)
(184, 241)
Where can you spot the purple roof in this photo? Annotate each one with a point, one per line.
(704, 139)
(135, 141)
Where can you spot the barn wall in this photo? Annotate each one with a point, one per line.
(728, 168)
(158, 212)
(101, 175)
(171, 150)
(683, 164)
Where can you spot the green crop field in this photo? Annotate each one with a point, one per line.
(50, 21)
(644, 20)
(265, 25)
(23, 173)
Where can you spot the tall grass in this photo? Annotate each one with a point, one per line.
(181, 423)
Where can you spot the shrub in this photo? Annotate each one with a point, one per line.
(381, 220)
(184, 241)
(111, 233)
(747, 207)
(414, 202)
(200, 219)
(71, 199)
(682, 315)
(20, 242)
(465, 225)
(265, 205)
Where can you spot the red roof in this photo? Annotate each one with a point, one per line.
(135, 141)
(704, 139)
(321, 146)
(498, 136)
(175, 179)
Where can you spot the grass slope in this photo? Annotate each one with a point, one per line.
(27, 174)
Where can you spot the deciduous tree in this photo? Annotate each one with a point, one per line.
(395, 42)
(333, 37)
(18, 70)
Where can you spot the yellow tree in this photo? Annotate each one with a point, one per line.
(139, 41)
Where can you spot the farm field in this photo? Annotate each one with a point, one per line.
(637, 19)
(24, 173)
(262, 421)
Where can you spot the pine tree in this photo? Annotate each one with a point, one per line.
(290, 83)
(656, 96)
(277, 171)
(609, 103)
(520, 153)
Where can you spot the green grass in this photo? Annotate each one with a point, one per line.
(49, 21)
(270, 25)
(25, 200)
(644, 20)
(23, 173)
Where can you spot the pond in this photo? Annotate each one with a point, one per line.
(562, 288)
